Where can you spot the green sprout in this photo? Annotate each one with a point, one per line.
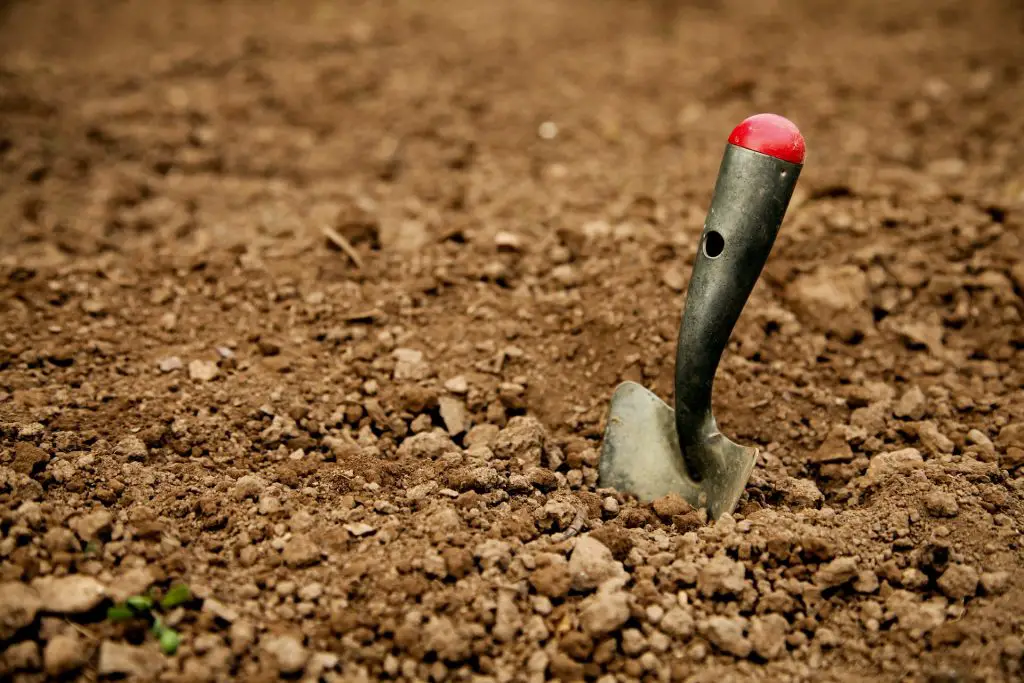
(148, 608)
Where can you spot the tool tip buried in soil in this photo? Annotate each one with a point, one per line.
(651, 450)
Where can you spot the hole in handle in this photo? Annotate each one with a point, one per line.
(714, 244)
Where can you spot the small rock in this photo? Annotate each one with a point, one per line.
(800, 493)
(139, 662)
(554, 579)
(896, 462)
(522, 439)
(912, 405)
(23, 656)
(932, 439)
(606, 611)
(135, 581)
(427, 446)
(170, 364)
(866, 582)
(721, 576)
(248, 486)
(959, 581)
(995, 583)
(457, 385)
(29, 458)
(93, 525)
(202, 370)
(132, 448)
(591, 564)
(678, 623)
(481, 435)
(64, 653)
(507, 618)
(726, 634)
(73, 594)
(453, 413)
(941, 504)
(768, 635)
(440, 635)
(287, 652)
(1011, 436)
(409, 365)
(835, 299)
(671, 505)
(481, 479)
(300, 552)
(835, 447)
(359, 529)
(837, 572)
(19, 604)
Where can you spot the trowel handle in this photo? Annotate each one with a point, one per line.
(749, 202)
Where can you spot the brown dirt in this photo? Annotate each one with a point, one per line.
(195, 385)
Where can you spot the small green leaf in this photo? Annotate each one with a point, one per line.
(140, 603)
(177, 595)
(169, 641)
(120, 613)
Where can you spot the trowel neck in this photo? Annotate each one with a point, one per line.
(747, 208)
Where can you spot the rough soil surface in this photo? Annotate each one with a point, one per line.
(380, 465)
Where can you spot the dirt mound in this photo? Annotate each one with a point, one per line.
(318, 311)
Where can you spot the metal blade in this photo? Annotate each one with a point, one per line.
(641, 455)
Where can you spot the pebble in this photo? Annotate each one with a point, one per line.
(23, 656)
(726, 633)
(941, 504)
(995, 583)
(202, 370)
(591, 564)
(170, 364)
(932, 439)
(132, 448)
(768, 635)
(800, 493)
(409, 365)
(837, 572)
(721, 576)
(93, 525)
(453, 414)
(19, 604)
(677, 622)
(522, 439)
(895, 462)
(552, 580)
(912, 405)
(427, 446)
(606, 611)
(73, 594)
(360, 529)
(669, 506)
(64, 653)
(457, 385)
(28, 458)
(300, 551)
(142, 662)
(959, 581)
(287, 652)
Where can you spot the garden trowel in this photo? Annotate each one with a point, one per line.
(649, 449)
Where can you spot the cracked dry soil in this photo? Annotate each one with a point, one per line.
(375, 472)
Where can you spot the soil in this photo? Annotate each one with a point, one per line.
(318, 307)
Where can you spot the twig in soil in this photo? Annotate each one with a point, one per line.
(335, 238)
(574, 528)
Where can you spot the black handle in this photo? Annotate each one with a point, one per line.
(749, 202)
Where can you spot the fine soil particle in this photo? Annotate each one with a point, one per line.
(318, 309)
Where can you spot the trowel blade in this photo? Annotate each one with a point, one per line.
(641, 455)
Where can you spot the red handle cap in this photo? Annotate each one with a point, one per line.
(770, 134)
